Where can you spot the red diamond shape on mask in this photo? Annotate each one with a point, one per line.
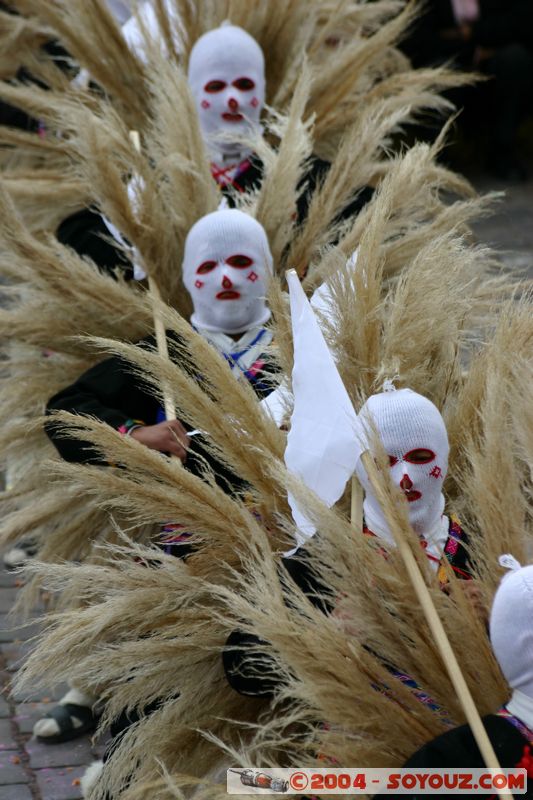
(253, 277)
(198, 284)
(205, 104)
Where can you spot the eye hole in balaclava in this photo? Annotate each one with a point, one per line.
(227, 79)
(420, 455)
(226, 267)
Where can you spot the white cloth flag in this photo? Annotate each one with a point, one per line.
(277, 402)
(326, 438)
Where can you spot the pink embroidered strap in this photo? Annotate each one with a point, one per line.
(129, 426)
(526, 732)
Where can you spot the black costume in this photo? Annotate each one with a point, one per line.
(251, 673)
(112, 393)
(457, 748)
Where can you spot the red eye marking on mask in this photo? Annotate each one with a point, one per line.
(253, 276)
(214, 86)
(240, 262)
(421, 455)
(205, 104)
(206, 267)
(244, 84)
(392, 461)
(436, 472)
(254, 102)
(198, 284)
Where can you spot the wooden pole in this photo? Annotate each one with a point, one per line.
(356, 505)
(159, 326)
(437, 629)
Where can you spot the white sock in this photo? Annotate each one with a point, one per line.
(90, 777)
(49, 727)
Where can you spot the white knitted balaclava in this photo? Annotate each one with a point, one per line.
(511, 635)
(227, 80)
(226, 266)
(414, 437)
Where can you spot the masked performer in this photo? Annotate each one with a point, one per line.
(226, 76)
(413, 434)
(226, 268)
(510, 729)
(415, 440)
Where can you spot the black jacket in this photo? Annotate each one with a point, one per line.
(457, 748)
(252, 674)
(112, 393)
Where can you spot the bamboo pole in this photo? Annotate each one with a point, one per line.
(436, 627)
(159, 326)
(356, 505)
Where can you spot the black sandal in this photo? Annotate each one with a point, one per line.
(63, 715)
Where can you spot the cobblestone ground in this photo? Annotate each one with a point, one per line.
(510, 229)
(30, 770)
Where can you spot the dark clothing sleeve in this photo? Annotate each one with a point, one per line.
(318, 169)
(316, 175)
(112, 393)
(457, 748)
(249, 670)
(108, 391)
(86, 233)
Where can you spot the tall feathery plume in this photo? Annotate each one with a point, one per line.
(348, 567)
(491, 461)
(376, 716)
(285, 31)
(151, 629)
(93, 38)
(52, 294)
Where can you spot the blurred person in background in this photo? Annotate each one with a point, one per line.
(495, 38)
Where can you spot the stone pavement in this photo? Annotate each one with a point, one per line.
(510, 229)
(30, 770)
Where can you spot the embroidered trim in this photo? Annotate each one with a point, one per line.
(129, 426)
(422, 697)
(526, 732)
(451, 549)
(173, 533)
(455, 534)
(253, 373)
(223, 177)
